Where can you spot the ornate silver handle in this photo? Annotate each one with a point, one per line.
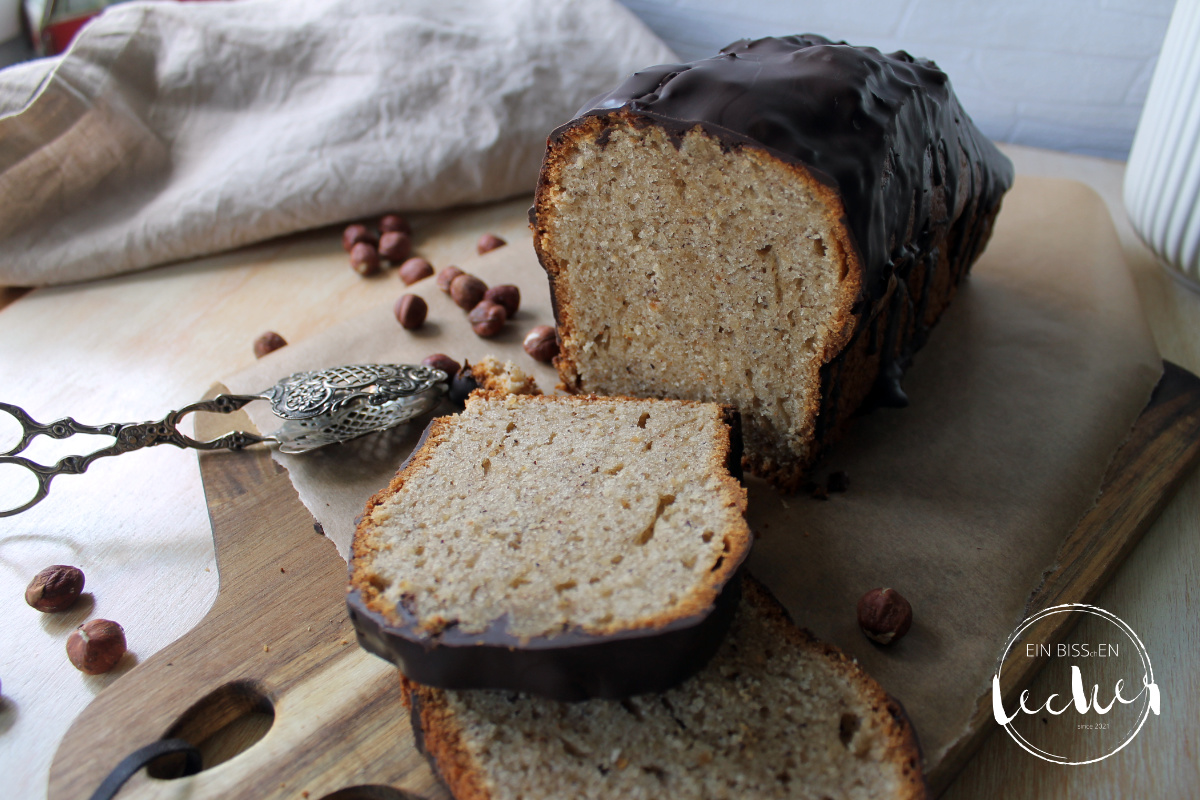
(318, 408)
(128, 437)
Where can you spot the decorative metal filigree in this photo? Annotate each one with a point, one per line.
(343, 403)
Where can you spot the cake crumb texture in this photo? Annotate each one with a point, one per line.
(775, 714)
(547, 514)
(738, 295)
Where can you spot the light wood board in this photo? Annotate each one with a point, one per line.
(277, 642)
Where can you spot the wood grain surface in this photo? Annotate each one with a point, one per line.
(278, 642)
(274, 665)
(1161, 453)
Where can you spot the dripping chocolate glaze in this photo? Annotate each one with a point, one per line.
(884, 130)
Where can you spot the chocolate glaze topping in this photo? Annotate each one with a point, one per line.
(572, 666)
(885, 130)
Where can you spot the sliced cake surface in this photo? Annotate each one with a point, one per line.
(775, 228)
(532, 524)
(775, 714)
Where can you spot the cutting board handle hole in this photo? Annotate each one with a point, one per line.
(225, 722)
(369, 793)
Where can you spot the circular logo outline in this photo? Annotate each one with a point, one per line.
(1033, 749)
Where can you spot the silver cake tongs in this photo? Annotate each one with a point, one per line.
(317, 408)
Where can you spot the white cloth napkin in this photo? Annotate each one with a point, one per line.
(175, 130)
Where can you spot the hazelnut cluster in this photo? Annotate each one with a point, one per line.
(94, 647)
(368, 249)
(488, 308)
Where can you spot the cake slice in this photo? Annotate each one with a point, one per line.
(776, 713)
(572, 547)
(775, 228)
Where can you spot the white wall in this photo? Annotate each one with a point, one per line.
(1061, 74)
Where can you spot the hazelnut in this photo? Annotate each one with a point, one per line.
(488, 242)
(446, 277)
(394, 222)
(411, 311)
(487, 318)
(395, 246)
(357, 233)
(884, 615)
(443, 362)
(467, 291)
(268, 342)
(462, 384)
(96, 646)
(55, 588)
(506, 295)
(364, 259)
(542, 343)
(415, 269)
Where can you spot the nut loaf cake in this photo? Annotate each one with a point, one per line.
(573, 547)
(776, 713)
(775, 228)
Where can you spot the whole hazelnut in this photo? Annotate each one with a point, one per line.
(884, 615)
(487, 319)
(542, 343)
(394, 222)
(506, 295)
(55, 588)
(443, 362)
(268, 342)
(415, 269)
(395, 246)
(96, 646)
(488, 242)
(357, 233)
(467, 291)
(446, 277)
(364, 259)
(462, 384)
(411, 310)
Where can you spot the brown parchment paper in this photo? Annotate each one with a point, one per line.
(960, 501)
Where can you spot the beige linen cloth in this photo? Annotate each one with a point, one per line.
(175, 130)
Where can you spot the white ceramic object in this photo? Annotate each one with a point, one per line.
(1162, 180)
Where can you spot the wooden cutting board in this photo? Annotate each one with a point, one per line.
(282, 703)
